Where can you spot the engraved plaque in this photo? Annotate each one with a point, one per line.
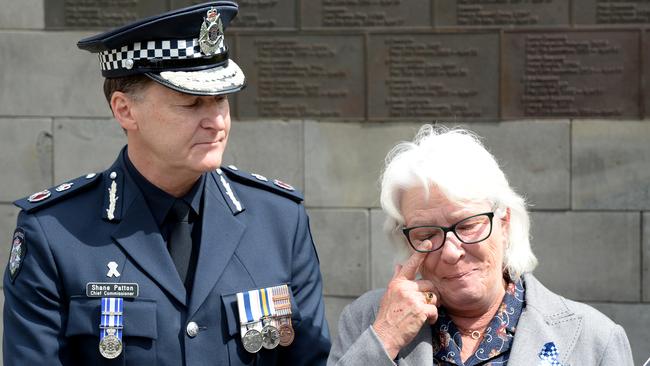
(611, 11)
(97, 14)
(366, 13)
(491, 13)
(452, 76)
(571, 74)
(257, 13)
(302, 76)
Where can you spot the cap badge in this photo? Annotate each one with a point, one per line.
(211, 34)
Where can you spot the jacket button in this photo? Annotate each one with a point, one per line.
(192, 329)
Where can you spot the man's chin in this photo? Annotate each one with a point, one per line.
(208, 162)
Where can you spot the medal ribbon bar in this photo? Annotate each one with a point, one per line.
(110, 327)
(112, 316)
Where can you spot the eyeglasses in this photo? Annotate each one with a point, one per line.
(469, 230)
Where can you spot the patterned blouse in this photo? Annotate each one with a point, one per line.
(494, 349)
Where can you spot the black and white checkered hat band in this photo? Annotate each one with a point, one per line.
(123, 58)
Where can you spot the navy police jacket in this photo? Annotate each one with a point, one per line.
(254, 234)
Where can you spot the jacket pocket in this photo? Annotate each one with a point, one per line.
(138, 336)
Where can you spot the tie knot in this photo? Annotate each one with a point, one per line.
(179, 212)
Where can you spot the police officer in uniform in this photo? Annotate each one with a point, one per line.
(167, 257)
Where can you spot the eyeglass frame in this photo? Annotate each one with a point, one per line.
(452, 228)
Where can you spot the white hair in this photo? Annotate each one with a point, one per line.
(456, 162)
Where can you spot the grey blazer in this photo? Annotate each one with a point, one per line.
(583, 335)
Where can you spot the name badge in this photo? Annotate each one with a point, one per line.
(103, 289)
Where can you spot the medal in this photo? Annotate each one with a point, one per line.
(286, 333)
(265, 318)
(110, 327)
(282, 305)
(249, 319)
(270, 336)
(110, 346)
(252, 340)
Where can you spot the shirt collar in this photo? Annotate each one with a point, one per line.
(159, 201)
(447, 338)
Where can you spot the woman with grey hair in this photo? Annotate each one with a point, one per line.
(466, 295)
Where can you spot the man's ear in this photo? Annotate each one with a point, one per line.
(123, 110)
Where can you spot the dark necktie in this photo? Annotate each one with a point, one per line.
(180, 238)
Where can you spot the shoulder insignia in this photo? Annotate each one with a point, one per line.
(228, 194)
(113, 191)
(272, 185)
(17, 254)
(57, 193)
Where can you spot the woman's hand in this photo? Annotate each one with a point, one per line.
(405, 307)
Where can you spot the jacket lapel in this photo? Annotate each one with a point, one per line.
(420, 350)
(138, 234)
(545, 319)
(220, 235)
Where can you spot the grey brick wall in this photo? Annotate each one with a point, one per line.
(586, 180)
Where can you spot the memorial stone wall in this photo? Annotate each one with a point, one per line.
(559, 89)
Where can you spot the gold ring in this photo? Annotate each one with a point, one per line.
(428, 296)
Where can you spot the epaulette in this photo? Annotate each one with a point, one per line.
(57, 193)
(272, 185)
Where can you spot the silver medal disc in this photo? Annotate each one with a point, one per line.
(252, 341)
(110, 346)
(270, 337)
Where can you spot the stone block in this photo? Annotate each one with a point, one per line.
(44, 74)
(8, 215)
(270, 148)
(645, 288)
(343, 161)
(384, 254)
(27, 14)
(26, 148)
(333, 307)
(342, 241)
(610, 165)
(362, 14)
(97, 14)
(537, 168)
(83, 146)
(487, 14)
(577, 251)
(635, 319)
(603, 13)
(582, 74)
(441, 76)
(302, 76)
